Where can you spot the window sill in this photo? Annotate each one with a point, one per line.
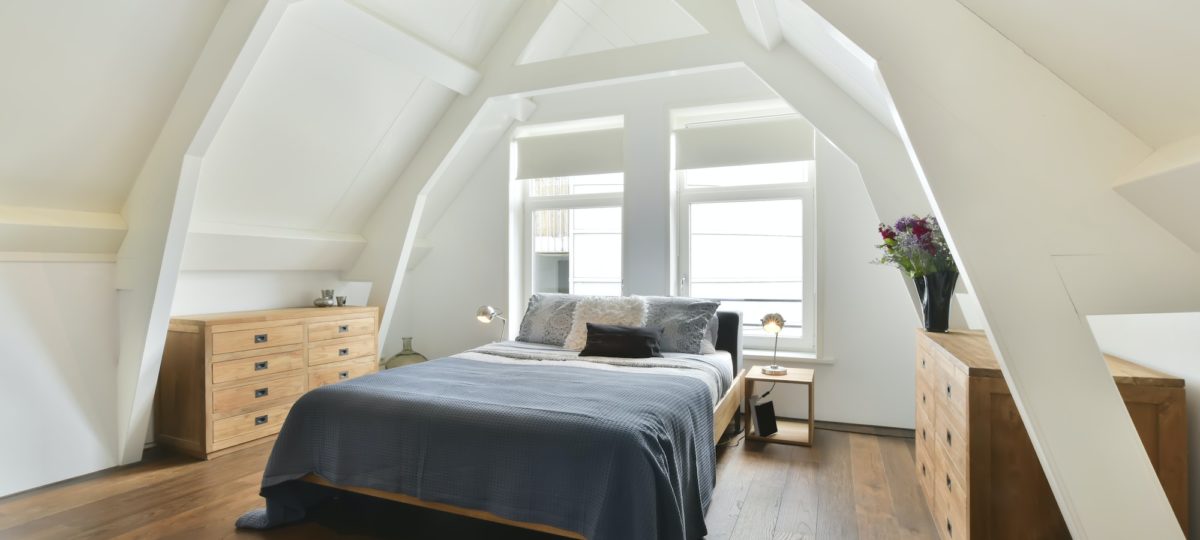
(785, 357)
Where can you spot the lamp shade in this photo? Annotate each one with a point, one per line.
(485, 314)
(773, 323)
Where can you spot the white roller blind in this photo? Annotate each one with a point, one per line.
(571, 154)
(744, 143)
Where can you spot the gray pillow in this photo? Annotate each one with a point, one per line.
(684, 321)
(709, 344)
(548, 318)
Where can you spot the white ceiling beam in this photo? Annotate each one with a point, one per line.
(26, 232)
(615, 66)
(218, 246)
(369, 31)
(762, 21)
(159, 207)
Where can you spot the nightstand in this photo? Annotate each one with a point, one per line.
(794, 432)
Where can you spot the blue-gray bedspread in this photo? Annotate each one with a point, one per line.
(607, 454)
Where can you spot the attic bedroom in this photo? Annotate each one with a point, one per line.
(599, 269)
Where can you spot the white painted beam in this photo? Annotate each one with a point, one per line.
(212, 246)
(1166, 187)
(59, 234)
(1018, 168)
(356, 25)
(761, 21)
(159, 207)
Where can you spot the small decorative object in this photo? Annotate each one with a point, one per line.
(916, 246)
(773, 323)
(405, 357)
(485, 315)
(326, 299)
(341, 301)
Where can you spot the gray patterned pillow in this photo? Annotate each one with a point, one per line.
(548, 318)
(684, 321)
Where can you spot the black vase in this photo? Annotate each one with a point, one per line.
(936, 290)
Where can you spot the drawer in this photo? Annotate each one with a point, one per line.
(247, 427)
(257, 395)
(255, 338)
(951, 517)
(926, 399)
(336, 350)
(950, 484)
(926, 363)
(341, 371)
(951, 385)
(926, 471)
(255, 367)
(322, 331)
(951, 438)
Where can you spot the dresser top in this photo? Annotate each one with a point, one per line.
(973, 351)
(272, 315)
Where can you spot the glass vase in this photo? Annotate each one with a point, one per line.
(406, 356)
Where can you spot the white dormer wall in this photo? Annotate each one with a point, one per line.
(469, 244)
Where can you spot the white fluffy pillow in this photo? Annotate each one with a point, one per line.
(622, 310)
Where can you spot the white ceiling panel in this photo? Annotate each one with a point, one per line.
(302, 131)
(86, 88)
(1139, 61)
(576, 27)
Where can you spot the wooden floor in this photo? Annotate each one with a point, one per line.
(848, 486)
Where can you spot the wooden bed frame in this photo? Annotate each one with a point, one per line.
(724, 413)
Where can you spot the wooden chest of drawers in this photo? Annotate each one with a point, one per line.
(228, 380)
(975, 462)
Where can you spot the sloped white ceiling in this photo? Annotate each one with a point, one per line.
(1139, 61)
(324, 127)
(86, 88)
(584, 26)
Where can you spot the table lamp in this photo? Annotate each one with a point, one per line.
(485, 315)
(773, 323)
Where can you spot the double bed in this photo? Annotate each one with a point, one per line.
(528, 435)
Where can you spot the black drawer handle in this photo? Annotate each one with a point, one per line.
(922, 362)
(947, 390)
(949, 528)
(947, 482)
(260, 420)
(342, 328)
(343, 374)
(924, 436)
(260, 338)
(922, 469)
(923, 397)
(259, 366)
(343, 351)
(948, 439)
(261, 392)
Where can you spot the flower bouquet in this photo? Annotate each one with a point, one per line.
(916, 246)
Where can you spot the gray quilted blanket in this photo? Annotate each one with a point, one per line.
(605, 453)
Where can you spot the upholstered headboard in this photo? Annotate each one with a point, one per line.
(729, 336)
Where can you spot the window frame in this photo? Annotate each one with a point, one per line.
(805, 192)
(531, 204)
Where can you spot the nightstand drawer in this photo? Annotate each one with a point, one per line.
(255, 367)
(950, 517)
(258, 395)
(341, 329)
(951, 385)
(341, 371)
(255, 338)
(245, 427)
(337, 350)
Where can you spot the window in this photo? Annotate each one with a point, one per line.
(574, 227)
(745, 239)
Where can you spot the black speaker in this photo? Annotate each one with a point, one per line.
(764, 418)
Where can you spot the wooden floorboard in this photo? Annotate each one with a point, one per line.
(847, 486)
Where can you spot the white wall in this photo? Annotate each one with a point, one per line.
(466, 267)
(58, 362)
(867, 324)
(1168, 342)
(219, 292)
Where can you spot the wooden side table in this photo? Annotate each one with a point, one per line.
(795, 432)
